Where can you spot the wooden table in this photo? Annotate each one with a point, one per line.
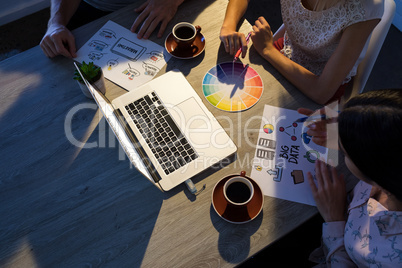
(65, 206)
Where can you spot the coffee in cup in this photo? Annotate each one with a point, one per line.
(238, 191)
(184, 34)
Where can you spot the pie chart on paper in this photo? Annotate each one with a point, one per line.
(232, 86)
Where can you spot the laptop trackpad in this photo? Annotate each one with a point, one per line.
(189, 115)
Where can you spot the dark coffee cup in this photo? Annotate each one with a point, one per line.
(238, 191)
(184, 34)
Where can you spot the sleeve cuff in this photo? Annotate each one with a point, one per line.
(333, 229)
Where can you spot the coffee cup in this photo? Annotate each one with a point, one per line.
(238, 190)
(184, 34)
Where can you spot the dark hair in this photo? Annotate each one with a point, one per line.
(370, 130)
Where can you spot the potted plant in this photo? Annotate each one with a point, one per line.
(93, 74)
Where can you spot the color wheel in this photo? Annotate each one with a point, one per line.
(232, 86)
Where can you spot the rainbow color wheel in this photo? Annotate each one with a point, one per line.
(232, 86)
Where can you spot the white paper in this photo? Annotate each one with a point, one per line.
(284, 154)
(124, 59)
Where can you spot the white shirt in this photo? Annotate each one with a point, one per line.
(371, 236)
(311, 37)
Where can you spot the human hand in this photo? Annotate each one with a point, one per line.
(58, 40)
(318, 129)
(324, 132)
(329, 193)
(153, 12)
(232, 41)
(262, 36)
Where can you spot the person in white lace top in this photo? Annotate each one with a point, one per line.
(320, 46)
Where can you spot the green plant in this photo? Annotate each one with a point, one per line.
(90, 71)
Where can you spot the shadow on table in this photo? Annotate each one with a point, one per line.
(234, 239)
(74, 206)
(67, 205)
(175, 64)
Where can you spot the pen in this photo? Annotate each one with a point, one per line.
(240, 49)
(313, 118)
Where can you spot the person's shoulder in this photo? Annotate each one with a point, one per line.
(363, 10)
(372, 3)
(373, 8)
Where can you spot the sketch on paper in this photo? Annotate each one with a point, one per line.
(128, 49)
(284, 155)
(124, 59)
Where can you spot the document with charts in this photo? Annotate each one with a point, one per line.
(284, 154)
(124, 59)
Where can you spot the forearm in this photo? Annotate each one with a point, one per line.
(307, 82)
(320, 88)
(234, 12)
(61, 11)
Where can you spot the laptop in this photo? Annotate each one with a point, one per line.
(174, 134)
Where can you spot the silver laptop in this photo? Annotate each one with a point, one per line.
(172, 130)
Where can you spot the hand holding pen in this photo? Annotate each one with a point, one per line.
(232, 41)
(314, 118)
(320, 127)
(240, 50)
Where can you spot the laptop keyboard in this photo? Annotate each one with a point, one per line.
(168, 144)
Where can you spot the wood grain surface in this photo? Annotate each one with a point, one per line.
(64, 205)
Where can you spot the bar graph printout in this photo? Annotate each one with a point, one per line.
(283, 156)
